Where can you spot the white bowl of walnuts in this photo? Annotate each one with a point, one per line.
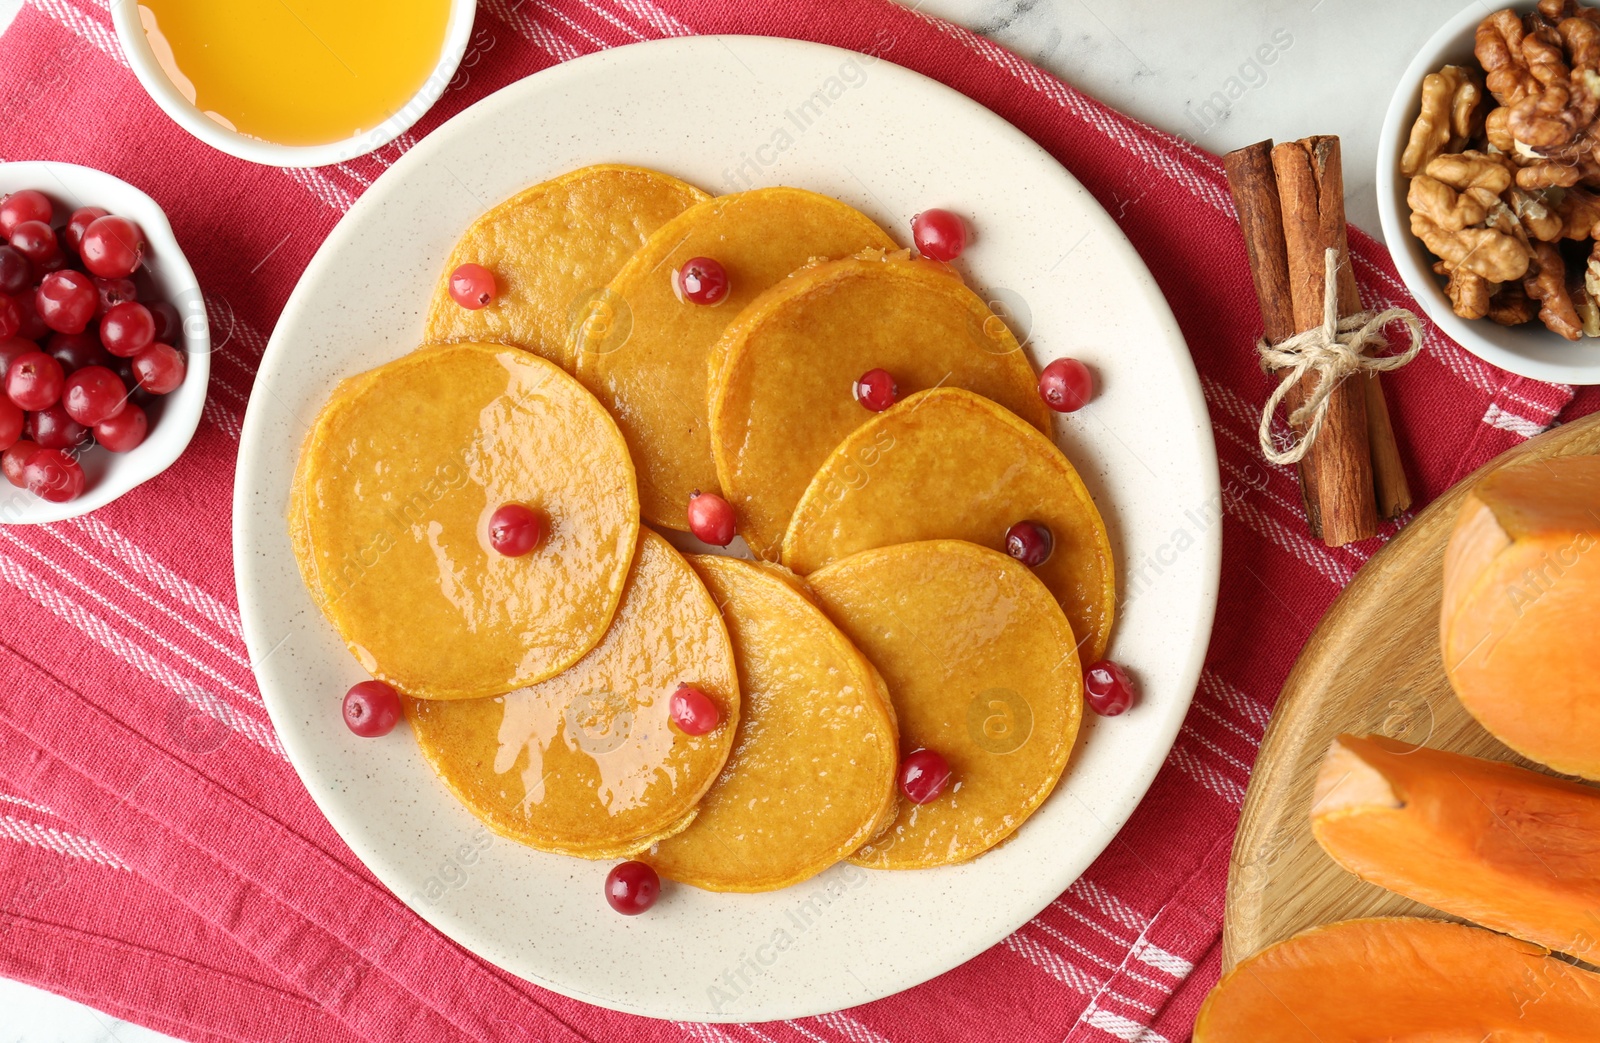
(1489, 185)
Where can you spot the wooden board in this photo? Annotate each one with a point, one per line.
(1372, 666)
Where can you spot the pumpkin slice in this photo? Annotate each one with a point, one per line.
(1493, 843)
(814, 764)
(552, 249)
(588, 763)
(782, 397)
(948, 464)
(647, 362)
(398, 480)
(1364, 981)
(981, 667)
(1521, 606)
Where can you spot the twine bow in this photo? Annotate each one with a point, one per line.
(1335, 350)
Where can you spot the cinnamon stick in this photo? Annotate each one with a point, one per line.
(1290, 201)
(1392, 490)
(1311, 195)
(1255, 197)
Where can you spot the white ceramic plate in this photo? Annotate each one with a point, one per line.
(891, 142)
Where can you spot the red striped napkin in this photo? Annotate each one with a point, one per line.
(158, 857)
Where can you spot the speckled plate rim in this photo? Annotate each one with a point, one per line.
(856, 127)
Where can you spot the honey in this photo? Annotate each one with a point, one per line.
(297, 72)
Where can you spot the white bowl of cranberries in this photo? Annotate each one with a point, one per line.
(104, 344)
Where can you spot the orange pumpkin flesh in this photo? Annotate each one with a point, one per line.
(1402, 979)
(1522, 610)
(1493, 843)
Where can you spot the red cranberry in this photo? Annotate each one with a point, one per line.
(112, 247)
(67, 301)
(27, 205)
(169, 326)
(36, 241)
(78, 223)
(124, 432)
(51, 474)
(16, 271)
(10, 316)
(876, 390)
(371, 709)
(923, 774)
(701, 280)
(127, 329)
(632, 887)
(514, 529)
(12, 420)
(11, 349)
(159, 369)
(33, 327)
(472, 286)
(93, 395)
(114, 292)
(15, 460)
(939, 234)
(34, 380)
(710, 518)
(1065, 385)
(77, 350)
(1030, 543)
(693, 712)
(1107, 688)
(54, 428)
(138, 394)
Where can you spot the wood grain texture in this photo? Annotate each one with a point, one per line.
(1372, 666)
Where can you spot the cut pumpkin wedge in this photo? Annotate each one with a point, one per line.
(1522, 606)
(1402, 979)
(1493, 843)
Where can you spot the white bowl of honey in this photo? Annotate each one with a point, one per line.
(319, 82)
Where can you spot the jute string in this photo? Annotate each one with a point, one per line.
(1334, 350)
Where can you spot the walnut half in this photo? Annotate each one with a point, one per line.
(1450, 117)
(1546, 282)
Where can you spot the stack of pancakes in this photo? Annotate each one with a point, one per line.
(876, 615)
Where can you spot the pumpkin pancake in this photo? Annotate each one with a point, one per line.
(948, 464)
(982, 669)
(552, 248)
(814, 764)
(398, 480)
(782, 399)
(648, 362)
(299, 536)
(588, 763)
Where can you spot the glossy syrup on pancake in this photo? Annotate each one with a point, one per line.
(812, 771)
(587, 763)
(396, 485)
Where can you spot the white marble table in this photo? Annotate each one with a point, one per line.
(1191, 67)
